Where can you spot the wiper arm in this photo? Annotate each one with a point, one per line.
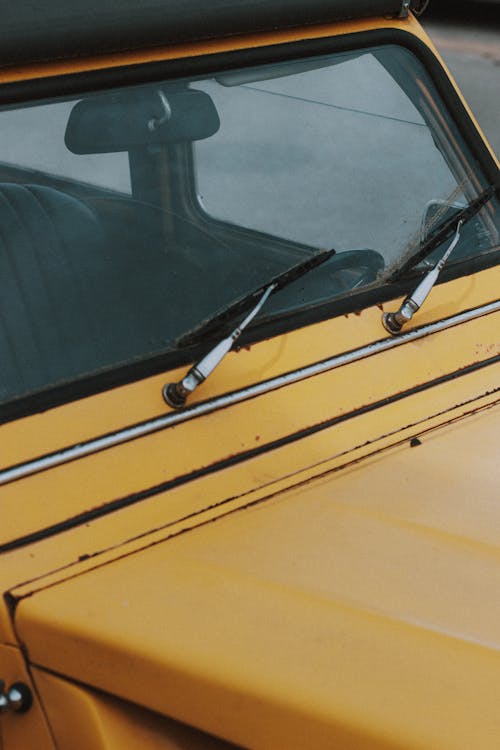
(393, 322)
(445, 230)
(175, 394)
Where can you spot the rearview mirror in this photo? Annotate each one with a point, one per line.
(121, 121)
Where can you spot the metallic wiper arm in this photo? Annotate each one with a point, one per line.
(393, 322)
(175, 394)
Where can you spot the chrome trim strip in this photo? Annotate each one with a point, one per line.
(220, 402)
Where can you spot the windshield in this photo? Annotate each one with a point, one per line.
(129, 216)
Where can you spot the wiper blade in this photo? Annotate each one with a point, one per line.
(448, 227)
(175, 394)
(220, 319)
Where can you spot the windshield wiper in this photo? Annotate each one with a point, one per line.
(447, 228)
(175, 394)
(394, 322)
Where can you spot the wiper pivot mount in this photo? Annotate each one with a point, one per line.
(394, 322)
(175, 394)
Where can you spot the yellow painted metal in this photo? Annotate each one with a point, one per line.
(360, 609)
(174, 511)
(88, 720)
(61, 493)
(58, 494)
(21, 731)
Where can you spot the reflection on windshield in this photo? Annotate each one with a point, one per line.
(131, 215)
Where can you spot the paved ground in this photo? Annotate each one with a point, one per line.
(468, 37)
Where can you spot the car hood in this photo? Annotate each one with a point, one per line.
(358, 610)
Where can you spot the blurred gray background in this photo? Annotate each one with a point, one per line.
(467, 34)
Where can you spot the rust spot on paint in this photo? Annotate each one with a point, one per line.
(257, 438)
(357, 312)
(380, 306)
(482, 348)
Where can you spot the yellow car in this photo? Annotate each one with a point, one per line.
(249, 376)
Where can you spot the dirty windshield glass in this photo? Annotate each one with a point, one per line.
(128, 216)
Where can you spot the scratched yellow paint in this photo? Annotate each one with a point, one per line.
(79, 486)
(306, 616)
